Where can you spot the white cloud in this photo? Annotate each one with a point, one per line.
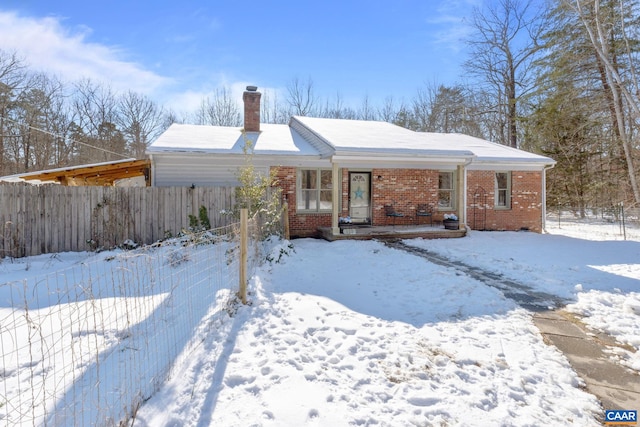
(451, 19)
(184, 102)
(47, 46)
(190, 100)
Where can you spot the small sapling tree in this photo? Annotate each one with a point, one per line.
(257, 192)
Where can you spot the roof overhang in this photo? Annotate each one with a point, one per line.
(403, 159)
(100, 174)
(509, 164)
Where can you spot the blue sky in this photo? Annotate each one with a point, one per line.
(178, 51)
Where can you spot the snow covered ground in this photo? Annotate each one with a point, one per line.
(356, 333)
(85, 337)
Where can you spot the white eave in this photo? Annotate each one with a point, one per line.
(490, 155)
(402, 158)
(323, 147)
(526, 161)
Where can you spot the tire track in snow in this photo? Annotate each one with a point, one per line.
(525, 296)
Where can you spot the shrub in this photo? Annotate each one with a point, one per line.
(258, 193)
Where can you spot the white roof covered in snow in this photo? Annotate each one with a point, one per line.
(484, 150)
(374, 136)
(272, 139)
(319, 137)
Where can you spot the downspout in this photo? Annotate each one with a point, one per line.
(544, 196)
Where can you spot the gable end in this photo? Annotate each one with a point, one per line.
(323, 146)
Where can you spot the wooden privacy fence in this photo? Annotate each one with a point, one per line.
(53, 218)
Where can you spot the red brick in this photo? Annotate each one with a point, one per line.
(405, 188)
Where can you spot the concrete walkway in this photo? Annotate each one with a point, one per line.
(617, 387)
(614, 385)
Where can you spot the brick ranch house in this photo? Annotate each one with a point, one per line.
(331, 169)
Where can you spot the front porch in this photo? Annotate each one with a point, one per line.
(365, 232)
(374, 203)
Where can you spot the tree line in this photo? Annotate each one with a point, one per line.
(556, 78)
(45, 123)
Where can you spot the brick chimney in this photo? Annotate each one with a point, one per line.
(251, 98)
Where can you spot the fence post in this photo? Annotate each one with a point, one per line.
(285, 212)
(244, 231)
(624, 226)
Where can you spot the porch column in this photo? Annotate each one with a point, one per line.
(335, 198)
(461, 193)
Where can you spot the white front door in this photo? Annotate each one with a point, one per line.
(360, 197)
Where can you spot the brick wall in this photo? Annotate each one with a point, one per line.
(525, 211)
(303, 224)
(406, 188)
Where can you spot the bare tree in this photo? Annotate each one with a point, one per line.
(333, 108)
(43, 124)
(140, 120)
(405, 118)
(455, 109)
(95, 109)
(366, 110)
(170, 117)
(219, 109)
(272, 110)
(422, 106)
(502, 49)
(12, 78)
(41, 114)
(301, 97)
(389, 112)
(336, 109)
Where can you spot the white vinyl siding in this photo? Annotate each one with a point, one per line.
(201, 171)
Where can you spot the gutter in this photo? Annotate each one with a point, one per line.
(392, 159)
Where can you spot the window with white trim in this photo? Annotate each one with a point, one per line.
(503, 190)
(314, 190)
(446, 191)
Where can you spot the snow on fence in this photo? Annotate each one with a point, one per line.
(39, 219)
(88, 344)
